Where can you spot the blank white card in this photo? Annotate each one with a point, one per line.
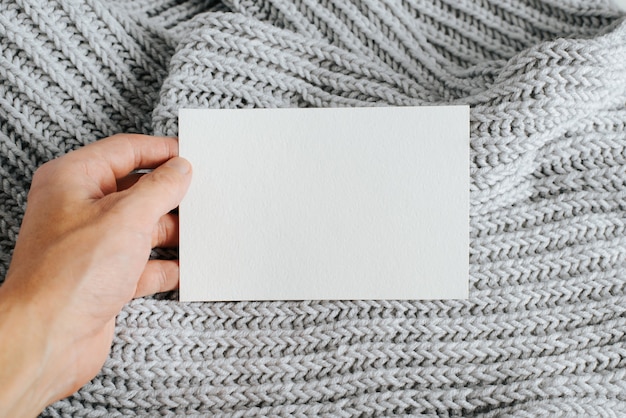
(342, 203)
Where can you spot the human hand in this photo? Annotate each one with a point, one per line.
(82, 253)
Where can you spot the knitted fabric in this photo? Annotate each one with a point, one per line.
(544, 329)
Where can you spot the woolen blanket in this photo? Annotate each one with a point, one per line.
(543, 331)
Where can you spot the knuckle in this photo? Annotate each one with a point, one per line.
(58, 171)
(45, 180)
(162, 277)
(44, 173)
(165, 178)
(161, 233)
(118, 137)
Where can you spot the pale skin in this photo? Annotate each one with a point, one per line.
(82, 254)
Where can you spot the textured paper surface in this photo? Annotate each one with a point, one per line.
(343, 203)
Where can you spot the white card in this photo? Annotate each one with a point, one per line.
(341, 203)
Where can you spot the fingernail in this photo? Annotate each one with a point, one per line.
(179, 164)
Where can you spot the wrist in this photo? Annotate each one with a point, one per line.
(26, 357)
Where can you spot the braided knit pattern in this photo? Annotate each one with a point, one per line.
(544, 330)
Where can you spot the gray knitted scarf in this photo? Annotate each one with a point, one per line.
(544, 329)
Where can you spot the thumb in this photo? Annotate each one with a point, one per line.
(160, 191)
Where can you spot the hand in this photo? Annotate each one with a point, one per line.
(82, 253)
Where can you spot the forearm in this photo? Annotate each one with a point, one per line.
(25, 388)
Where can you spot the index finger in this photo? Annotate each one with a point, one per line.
(105, 161)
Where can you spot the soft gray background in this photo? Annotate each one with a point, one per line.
(543, 332)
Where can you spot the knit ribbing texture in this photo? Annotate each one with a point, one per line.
(544, 330)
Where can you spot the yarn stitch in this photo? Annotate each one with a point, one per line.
(544, 330)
